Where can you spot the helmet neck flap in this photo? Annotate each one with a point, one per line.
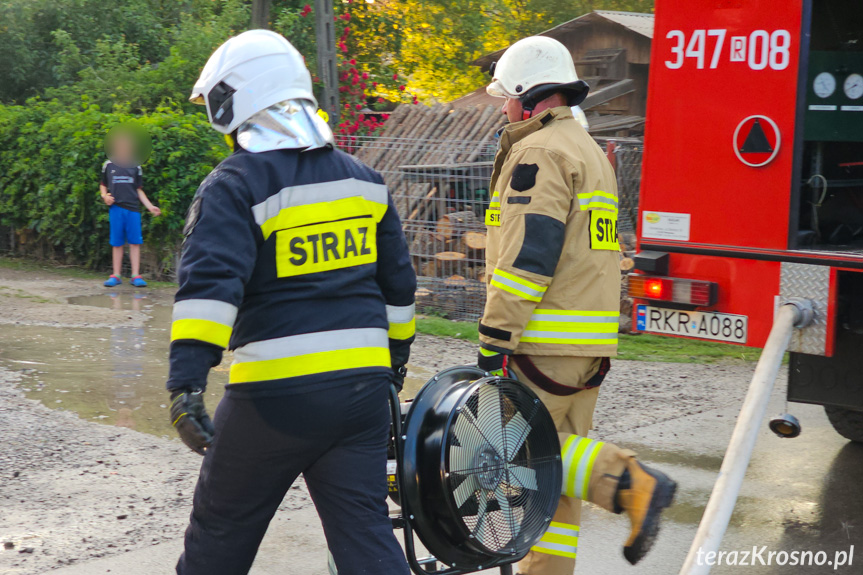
(287, 125)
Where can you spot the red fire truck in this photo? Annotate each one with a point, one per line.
(752, 185)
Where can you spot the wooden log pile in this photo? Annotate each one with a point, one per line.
(422, 135)
(447, 239)
(627, 252)
(421, 153)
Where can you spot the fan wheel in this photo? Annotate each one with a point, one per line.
(481, 469)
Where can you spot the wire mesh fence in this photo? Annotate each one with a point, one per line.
(440, 188)
(627, 165)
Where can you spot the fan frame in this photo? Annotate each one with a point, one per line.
(429, 421)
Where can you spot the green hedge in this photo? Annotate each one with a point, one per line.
(50, 162)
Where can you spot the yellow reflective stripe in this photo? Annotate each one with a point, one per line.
(563, 341)
(318, 193)
(599, 206)
(309, 364)
(597, 200)
(560, 525)
(575, 447)
(306, 214)
(515, 291)
(597, 194)
(579, 455)
(495, 201)
(402, 322)
(201, 330)
(487, 352)
(595, 449)
(564, 312)
(560, 539)
(402, 330)
(574, 327)
(310, 353)
(517, 286)
(526, 283)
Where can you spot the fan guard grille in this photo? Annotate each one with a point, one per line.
(502, 466)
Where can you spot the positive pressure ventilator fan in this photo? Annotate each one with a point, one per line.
(478, 471)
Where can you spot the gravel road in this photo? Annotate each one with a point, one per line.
(71, 490)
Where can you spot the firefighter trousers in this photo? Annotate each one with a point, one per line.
(591, 470)
(336, 439)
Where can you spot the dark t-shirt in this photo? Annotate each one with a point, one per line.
(123, 184)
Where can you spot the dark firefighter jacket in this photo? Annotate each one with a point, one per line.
(297, 262)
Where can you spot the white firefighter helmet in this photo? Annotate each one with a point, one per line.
(248, 74)
(532, 69)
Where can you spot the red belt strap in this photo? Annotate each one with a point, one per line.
(548, 385)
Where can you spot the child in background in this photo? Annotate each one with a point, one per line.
(121, 189)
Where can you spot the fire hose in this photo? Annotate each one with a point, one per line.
(793, 314)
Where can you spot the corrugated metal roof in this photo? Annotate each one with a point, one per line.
(641, 23)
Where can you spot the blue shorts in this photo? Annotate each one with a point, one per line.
(125, 226)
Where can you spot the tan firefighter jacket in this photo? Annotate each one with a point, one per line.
(552, 256)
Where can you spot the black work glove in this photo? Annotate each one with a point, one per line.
(190, 418)
(399, 374)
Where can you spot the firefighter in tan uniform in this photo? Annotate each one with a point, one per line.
(554, 292)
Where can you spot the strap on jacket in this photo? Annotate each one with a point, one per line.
(548, 385)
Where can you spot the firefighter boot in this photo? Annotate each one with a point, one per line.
(642, 493)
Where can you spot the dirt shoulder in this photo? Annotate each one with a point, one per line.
(40, 298)
(73, 490)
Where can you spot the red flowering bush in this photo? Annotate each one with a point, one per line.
(362, 83)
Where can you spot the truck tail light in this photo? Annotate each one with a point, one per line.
(677, 290)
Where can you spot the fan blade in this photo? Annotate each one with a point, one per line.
(515, 432)
(460, 458)
(489, 417)
(513, 525)
(466, 429)
(524, 476)
(466, 490)
(481, 523)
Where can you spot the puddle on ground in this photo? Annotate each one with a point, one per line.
(113, 375)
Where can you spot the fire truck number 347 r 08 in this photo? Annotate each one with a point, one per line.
(761, 49)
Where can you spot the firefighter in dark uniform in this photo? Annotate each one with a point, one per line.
(294, 258)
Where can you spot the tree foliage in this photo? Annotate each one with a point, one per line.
(50, 167)
(72, 69)
(145, 52)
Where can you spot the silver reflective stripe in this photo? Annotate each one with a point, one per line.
(296, 345)
(556, 547)
(208, 309)
(568, 335)
(593, 199)
(562, 531)
(400, 313)
(516, 285)
(574, 318)
(316, 193)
